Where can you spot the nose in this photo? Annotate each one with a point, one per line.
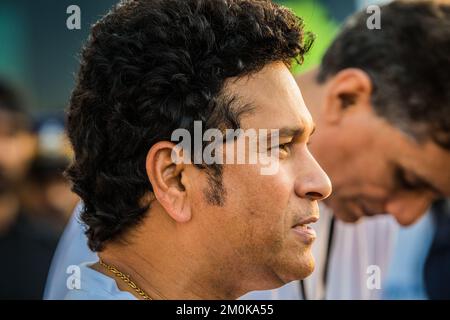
(312, 182)
(408, 208)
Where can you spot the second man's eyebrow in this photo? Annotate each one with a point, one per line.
(429, 185)
(418, 181)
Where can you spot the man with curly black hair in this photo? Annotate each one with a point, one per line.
(168, 229)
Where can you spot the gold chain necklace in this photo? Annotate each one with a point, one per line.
(125, 278)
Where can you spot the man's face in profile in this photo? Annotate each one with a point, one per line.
(262, 225)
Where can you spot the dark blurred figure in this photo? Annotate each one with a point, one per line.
(437, 265)
(26, 245)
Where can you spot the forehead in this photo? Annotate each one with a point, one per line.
(275, 96)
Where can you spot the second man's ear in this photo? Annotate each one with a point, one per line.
(348, 88)
(166, 175)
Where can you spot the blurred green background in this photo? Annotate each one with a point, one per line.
(39, 55)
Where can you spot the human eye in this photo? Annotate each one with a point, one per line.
(284, 149)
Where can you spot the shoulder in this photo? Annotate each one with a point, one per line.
(89, 284)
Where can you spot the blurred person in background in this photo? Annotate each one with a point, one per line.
(18, 143)
(26, 244)
(46, 192)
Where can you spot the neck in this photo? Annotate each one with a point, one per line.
(168, 267)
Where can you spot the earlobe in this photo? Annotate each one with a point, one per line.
(347, 90)
(166, 178)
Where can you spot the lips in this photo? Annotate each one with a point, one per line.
(304, 231)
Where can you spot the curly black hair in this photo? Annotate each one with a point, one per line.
(153, 66)
(408, 61)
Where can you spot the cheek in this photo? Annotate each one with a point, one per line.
(255, 213)
(259, 195)
(363, 176)
(259, 206)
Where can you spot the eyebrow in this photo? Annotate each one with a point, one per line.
(294, 131)
(419, 181)
(429, 185)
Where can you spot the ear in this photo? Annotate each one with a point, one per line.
(168, 181)
(348, 90)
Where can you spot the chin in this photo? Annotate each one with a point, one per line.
(407, 220)
(307, 269)
(300, 270)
